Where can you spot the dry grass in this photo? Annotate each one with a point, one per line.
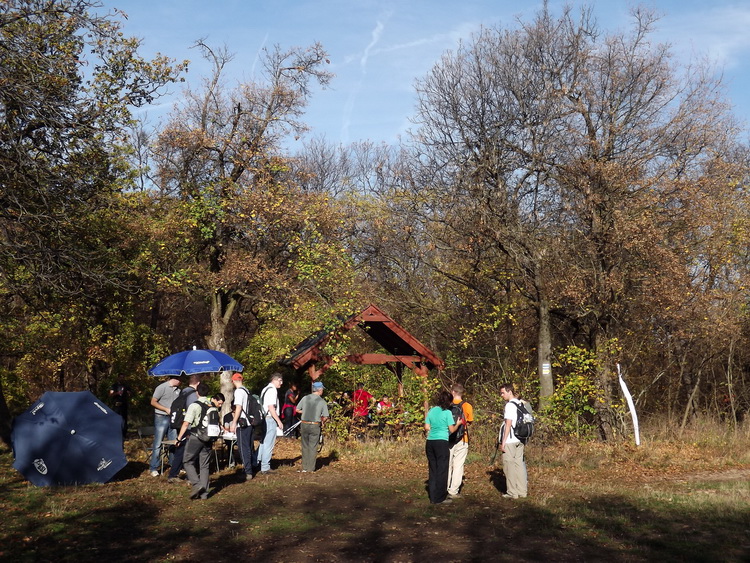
(665, 500)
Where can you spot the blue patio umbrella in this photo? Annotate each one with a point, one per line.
(68, 439)
(195, 361)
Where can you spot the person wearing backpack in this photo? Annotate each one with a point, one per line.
(194, 432)
(514, 465)
(243, 424)
(459, 440)
(269, 403)
(177, 415)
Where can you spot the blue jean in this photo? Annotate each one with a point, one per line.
(247, 448)
(177, 461)
(265, 451)
(161, 428)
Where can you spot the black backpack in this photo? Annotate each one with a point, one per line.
(524, 428)
(253, 412)
(208, 428)
(457, 409)
(179, 406)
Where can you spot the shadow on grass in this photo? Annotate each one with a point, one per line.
(497, 480)
(132, 470)
(354, 516)
(115, 532)
(375, 525)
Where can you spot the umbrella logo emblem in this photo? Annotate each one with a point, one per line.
(40, 466)
(103, 464)
(37, 408)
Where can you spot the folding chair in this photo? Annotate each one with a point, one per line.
(146, 436)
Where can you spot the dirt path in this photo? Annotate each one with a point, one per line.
(724, 475)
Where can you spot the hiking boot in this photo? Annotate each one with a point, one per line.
(154, 474)
(196, 491)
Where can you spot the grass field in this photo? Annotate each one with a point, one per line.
(666, 500)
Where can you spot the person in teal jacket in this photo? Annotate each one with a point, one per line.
(439, 425)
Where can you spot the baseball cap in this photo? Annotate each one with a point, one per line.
(317, 385)
(237, 377)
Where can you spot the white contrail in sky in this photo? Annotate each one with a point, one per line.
(257, 54)
(352, 98)
(376, 33)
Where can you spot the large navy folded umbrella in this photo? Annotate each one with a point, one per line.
(195, 361)
(68, 439)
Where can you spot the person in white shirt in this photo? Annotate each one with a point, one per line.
(269, 403)
(242, 427)
(514, 466)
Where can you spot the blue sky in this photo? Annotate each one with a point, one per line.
(379, 48)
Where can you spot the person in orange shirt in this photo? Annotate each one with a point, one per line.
(460, 449)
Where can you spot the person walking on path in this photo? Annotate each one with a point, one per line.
(460, 449)
(269, 403)
(313, 411)
(242, 427)
(197, 452)
(438, 425)
(162, 399)
(514, 465)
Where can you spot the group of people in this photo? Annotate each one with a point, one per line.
(192, 453)
(446, 458)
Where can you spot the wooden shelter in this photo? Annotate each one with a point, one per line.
(402, 348)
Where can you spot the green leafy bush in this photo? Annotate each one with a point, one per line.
(571, 408)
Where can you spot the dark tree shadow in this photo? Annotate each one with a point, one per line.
(497, 479)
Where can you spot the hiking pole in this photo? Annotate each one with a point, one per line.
(494, 454)
(289, 430)
(320, 440)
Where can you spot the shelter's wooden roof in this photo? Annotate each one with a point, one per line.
(400, 344)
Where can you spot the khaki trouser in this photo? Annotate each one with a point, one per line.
(458, 455)
(309, 438)
(515, 470)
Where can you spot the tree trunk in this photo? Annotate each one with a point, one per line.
(5, 421)
(605, 376)
(730, 386)
(227, 389)
(690, 406)
(544, 354)
(222, 307)
(216, 340)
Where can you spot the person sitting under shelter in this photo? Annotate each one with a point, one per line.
(362, 400)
